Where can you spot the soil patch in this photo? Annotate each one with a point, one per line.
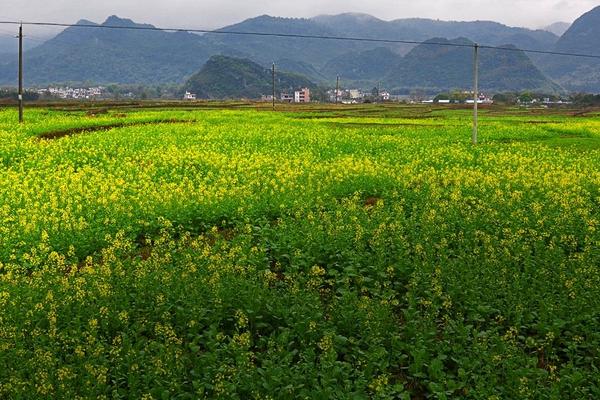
(75, 131)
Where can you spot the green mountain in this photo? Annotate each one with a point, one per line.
(8, 55)
(583, 36)
(366, 65)
(103, 56)
(443, 67)
(579, 74)
(225, 77)
(265, 50)
(9, 45)
(122, 56)
(320, 52)
(301, 68)
(421, 29)
(114, 55)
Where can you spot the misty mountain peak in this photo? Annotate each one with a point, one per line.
(359, 17)
(85, 22)
(558, 28)
(114, 20)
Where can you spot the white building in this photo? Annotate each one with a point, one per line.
(189, 96)
(355, 94)
(484, 100)
(286, 97)
(335, 95)
(302, 96)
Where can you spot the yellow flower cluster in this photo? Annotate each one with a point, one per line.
(160, 254)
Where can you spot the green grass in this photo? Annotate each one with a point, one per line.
(315, 252)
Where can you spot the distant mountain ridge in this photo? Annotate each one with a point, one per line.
(320, 52)
(9, 46)
(577, 73)
(421, 29)
(583, 36)
(366, 65)
(440, 67)
(139, 56)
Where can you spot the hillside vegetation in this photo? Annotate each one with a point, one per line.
(444, 67)
(227, 77)
(577, 73)
(105, 56)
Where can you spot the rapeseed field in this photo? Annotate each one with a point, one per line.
(366, 253)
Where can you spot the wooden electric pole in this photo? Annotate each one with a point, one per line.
(273, 73)
(20, 94)
(475, 91)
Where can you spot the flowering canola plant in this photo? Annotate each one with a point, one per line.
(246, 254)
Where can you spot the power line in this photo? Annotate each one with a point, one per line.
(284, 35)
(555, 53)
(300, 36)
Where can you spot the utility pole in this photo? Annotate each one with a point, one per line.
(475, 91)
(337, 89)
(273, 71)
(21, 74)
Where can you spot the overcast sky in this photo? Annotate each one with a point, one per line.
(218, 13)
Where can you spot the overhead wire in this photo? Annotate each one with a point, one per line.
(300, 36)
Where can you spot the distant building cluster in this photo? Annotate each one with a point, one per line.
(544, 102)
(298, 96)
(355, 96)
(481, 99)
(72, 93)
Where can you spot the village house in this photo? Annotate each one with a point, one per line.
(302, 96)
(355, 94)
(189, 96)
(286, 97)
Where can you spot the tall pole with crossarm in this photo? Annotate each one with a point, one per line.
(273, 73)
(20, 73)
(475, 91)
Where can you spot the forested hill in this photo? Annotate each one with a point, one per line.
(228, 77)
